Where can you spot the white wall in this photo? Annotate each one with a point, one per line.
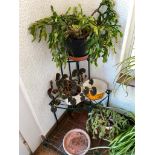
(36, 67)
(22, 149)
(28, 122)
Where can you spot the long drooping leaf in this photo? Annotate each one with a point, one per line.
(100, 33)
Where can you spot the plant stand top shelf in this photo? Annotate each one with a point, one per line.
(71, 58)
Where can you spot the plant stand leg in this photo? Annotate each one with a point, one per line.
(108, 92)
(69, 66)
(88, 68)
(61, 71)
(69, 111)
(55, 118)
(78, 68)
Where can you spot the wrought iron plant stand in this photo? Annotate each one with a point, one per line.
(71, 106)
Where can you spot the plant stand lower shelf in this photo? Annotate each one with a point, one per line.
(68, 122)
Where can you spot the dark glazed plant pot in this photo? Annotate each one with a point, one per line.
(77, 47)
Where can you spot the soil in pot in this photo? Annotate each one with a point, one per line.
(76, 143)
(77, 47)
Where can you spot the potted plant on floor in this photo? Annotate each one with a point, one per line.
(122, 144)
(73, 33)
(106, 122)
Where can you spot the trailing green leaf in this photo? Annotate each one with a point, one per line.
(99, 32)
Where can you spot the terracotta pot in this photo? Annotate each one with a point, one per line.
(76, 142)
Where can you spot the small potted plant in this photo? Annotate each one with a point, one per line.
(75, 34)
(67, 88)
(70, 89)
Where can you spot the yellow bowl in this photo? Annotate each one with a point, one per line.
(96, 97)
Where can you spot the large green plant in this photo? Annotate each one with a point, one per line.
(102, 117)
(100, 32)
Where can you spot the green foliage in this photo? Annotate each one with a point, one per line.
(101, 117)
(127, 73)
(66, 88)
(99, 32)
(107, 29)
(124, 144)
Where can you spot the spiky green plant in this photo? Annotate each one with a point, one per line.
(126, 74)
(123, 144)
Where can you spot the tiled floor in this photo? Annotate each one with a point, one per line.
(44, 151)
(78, 120)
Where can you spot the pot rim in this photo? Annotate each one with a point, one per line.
(77, 130)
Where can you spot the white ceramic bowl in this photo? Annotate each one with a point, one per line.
(101, 87)
(81, 131)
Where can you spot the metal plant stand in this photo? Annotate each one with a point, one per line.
(88, 106)
(77, 108)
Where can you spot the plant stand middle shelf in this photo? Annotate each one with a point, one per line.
(85, 105)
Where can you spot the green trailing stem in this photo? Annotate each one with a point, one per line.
(100, 32)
